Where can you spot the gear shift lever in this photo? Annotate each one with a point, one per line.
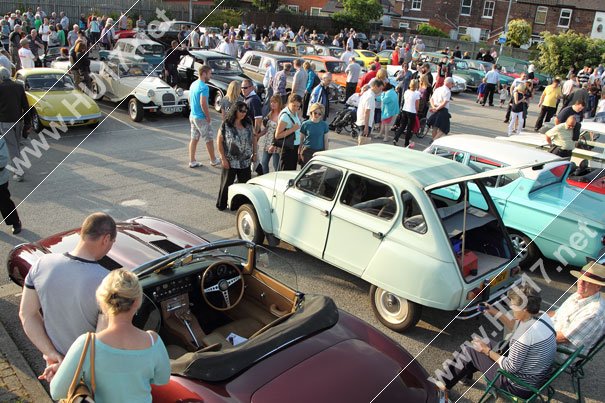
(186, 318)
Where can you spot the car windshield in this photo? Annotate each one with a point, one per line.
(151, 49)
(460, 65)
(135, 70)
(225, 66)
(58, 82)
(336, 67)
(550, 177)
(336, 52)
(366, 53)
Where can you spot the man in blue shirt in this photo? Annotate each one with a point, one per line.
(200, 117)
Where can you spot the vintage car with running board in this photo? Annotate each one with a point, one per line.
(397, 218)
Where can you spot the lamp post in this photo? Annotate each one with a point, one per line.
(510, 3)
(191, 10)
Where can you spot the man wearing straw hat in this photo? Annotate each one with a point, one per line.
(581, 318)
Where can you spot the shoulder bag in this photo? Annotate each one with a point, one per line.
(288, 141)
(78, 391)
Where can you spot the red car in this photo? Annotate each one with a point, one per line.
(235, 333)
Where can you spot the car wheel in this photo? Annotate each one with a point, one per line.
(135, 110)
(394, 312)
(525, 248)
(248, 226)
(341, 97)
(218, 99)
(95, 92)
(36, 123)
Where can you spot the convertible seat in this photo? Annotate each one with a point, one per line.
(242, 327)
(315, 313)
(175, 351)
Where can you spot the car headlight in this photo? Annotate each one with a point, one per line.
(151, 93)
(179, 92)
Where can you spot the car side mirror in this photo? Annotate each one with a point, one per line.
(290, 183)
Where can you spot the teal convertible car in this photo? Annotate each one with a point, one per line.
(565, 222)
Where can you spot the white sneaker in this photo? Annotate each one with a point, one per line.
(195, 164)
(18, 178)
(216, 162)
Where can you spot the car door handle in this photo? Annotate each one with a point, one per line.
(378, 235)
(325, 213)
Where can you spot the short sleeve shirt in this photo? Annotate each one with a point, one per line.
(66, 287)
(551, 95)
(581, 320)
(197, 90)
(410, 97)
(367, 101)
(442, 94)
(255, 107)
(315, 134)
(289, 119)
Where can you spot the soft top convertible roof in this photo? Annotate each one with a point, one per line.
(314, 314)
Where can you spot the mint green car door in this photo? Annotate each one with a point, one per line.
(307, 208)
(361, 219)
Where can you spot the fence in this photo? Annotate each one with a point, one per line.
(434, 43)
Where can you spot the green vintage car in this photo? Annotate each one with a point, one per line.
(472, 77)
(483, 67)
(514, 67)
(399, 226)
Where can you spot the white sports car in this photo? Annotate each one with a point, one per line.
(141, 87)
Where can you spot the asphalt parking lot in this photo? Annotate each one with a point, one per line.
(130, 169)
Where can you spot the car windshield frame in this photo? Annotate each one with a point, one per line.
(49, 82)
(130, 70)
(215, 64)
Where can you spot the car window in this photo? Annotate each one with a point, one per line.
(254, 60)
(336, 67)
(369, 196)
(120, 46)
(319, 66)
(413, 219)
(336, 52)
(367, 54)
(448, 153)
(321, 51)
(224, 66)
(320, 180)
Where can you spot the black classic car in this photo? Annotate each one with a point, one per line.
(224, 70)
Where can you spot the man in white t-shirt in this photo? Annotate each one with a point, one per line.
(366, 106)
(440, 103)
(25, 55)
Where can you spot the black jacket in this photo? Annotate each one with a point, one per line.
(15, 101)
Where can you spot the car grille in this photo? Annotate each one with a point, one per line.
(168, 100)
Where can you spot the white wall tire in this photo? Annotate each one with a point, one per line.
(396, 313)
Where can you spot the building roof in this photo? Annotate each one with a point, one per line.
(332, 6)
(596, 5)
(416, 166)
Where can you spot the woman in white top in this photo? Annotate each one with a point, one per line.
(411, 100)
(44, 31)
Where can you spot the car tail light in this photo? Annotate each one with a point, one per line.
(514, 271)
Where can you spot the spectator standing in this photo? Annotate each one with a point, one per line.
(492, 79)
(568, 86)
(194, 39)
(481, 92)
(548, 103)
(37, 22)
(5, 31)
(560, 138)
(517, 81)
(72, 36)
(141, 23)
(44, 31)
(457, 53)
(200, 117)
(313, 133)
(367, 77)
(410, 109)
(321, 94)
(253, 101)
(108, 35)
(36, 46)
(61, 38)
(441, 73)
(451, 66)
(366, 108)
(404, 76)
(440, 103)
(395, 56)
(94, 31)
(280, 81)
(353, 71)
(64, 21)
(60, 283)
(26, 56)
(577, 94)
(299, 84)
(584, 75)
(390, 107)
(269, 151)
(347, 55)
(172, 57)
(312, 82)
(14, 45)
(53, 38)
(231, 97)
(140, 355)
(577, 111)
(504, 95)
(268, 84)
(288, 129)
(518, 101)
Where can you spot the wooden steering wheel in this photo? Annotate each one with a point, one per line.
(213, 280)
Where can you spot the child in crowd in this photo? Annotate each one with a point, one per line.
(481, 91)
(504, 95)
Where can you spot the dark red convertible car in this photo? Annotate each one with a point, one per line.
(236, 332)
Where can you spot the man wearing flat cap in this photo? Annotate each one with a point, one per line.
(581, 318)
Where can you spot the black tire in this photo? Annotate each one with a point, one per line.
(248, 225)
(218, 99)
(396, 313)
(36, 123)
(135, 110)
(529, 251)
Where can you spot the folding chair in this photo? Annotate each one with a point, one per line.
(493, 390)
(576, 369)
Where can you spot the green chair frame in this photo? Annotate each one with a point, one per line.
(576, 369)
(537, 392)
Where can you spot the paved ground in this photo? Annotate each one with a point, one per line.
(130, 169)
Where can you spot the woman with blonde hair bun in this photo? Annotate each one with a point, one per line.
(127, 360)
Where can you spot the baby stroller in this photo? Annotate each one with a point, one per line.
(345, 120)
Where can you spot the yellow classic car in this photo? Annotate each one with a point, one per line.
(53, 97)
(368, 57)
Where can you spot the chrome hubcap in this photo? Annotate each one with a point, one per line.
(520, 246)
(391, 307)
(246, 226)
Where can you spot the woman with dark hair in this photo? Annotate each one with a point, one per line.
(528, 355)
(237, 148)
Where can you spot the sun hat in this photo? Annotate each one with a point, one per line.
(592, 272)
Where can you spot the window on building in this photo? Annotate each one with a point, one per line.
(484, 36)
(488, 9)
(465, 8)
(565, 18)
(541, 15)
(315, 11)
(416, 5)
(462, 31)
(293, 8)
(404, 25)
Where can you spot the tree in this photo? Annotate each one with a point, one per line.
(266, 5)
(560, 51)
(429, 30)
(518, 33)
(227, 3)
(363, 10)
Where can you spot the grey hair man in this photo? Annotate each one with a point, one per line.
(440, 103)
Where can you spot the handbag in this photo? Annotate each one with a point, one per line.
(285, 142)
(416, 125)
(78, 391)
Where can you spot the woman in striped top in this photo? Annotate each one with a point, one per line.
(531, 353)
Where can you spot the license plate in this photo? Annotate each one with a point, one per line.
(498, 279)
(169, 109)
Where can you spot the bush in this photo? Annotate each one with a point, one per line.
(466, 38)
(216, 19)
(429, 30)
(284, 10)
(561, 51)
(344, 19)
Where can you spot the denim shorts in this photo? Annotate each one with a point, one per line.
(201, 128)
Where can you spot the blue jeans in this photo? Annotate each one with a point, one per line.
(265, 161)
